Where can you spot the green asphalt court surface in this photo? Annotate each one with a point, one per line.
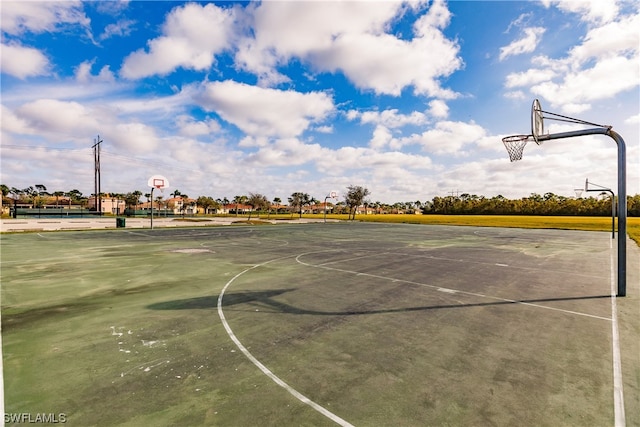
(320, 324)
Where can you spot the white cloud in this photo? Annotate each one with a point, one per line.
(526, 44)
(438, 109)
(350, 37)
(381, 137)
(520, 22)
(13, 123)
(601, 66)
(529, 77)
(133, 137)
(447, 137)
(386, 64)
(83, 73)
(635, 119)
(189, 127)
(592, 11)
(324, 129)
(604, 80)
(516, 95)
(612, 39)
(192, 35)
(344, 37)
(284, 30)
(22, 62)
(286, 152)
(113, 7)
(51, 116)
(70, 121)
(155, 108)
(390, 118)
(336, 162)
(265, 112)
(121, 28)
(18, 17)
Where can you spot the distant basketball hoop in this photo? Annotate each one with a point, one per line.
(156, 182)
(331, 195)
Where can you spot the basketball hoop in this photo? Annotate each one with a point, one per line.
(514, 145)
(158, 182)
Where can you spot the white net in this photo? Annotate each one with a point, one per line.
(515, 145)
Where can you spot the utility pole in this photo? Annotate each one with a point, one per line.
(96, 175)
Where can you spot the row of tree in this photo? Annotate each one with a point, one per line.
(37, 196)
(356, 196)
(535, 204)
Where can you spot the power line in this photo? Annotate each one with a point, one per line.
(122, 157)
(148, 162)
(40, 147)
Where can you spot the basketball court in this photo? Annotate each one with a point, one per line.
(321, 324)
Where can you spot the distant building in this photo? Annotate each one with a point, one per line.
(112, 205)
(181, 206)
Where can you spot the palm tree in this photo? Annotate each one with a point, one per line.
(5, 193)
(40, 190)
(258, 201)
(159, 201)
(17, 193)
(299, 200)
(137, 194)
(276, 201)
(73, 195)
(30, 192)
(239, 200)
(184, 198)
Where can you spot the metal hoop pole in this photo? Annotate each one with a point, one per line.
(622, 212)
(622, 195)
(325, 209)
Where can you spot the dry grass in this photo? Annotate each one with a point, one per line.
(516, 221)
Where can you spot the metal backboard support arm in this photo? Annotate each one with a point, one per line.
(622, 195)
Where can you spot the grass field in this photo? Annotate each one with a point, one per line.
(380, 324)
(515, 221)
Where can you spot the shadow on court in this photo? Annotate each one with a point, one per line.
(265, 299)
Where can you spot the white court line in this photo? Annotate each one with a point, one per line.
(350, 259)
(1, 376)
(618, 398)
(263, 368)
(448, 290)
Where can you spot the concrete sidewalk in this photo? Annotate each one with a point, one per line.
(55, 224)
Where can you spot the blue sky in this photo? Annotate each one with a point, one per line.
(409, 99)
